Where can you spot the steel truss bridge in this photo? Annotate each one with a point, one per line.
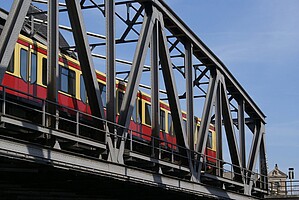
(146, 45)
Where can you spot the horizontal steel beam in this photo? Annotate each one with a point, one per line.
(55, 158)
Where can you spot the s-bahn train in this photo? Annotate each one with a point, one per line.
(27, 72)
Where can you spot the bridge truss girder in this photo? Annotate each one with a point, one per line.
(169, 39)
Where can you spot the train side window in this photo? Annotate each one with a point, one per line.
(33, 73)
(185, 124)
(103, 93)
(209, 140)
(134, 115)
(67, 80)
(120, 100)
(83, 95)
(162, 120)
(148, 114)
(44, 71)
(11, 65)
(24, 64)
(170, 125)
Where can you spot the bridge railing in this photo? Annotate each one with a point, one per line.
(284, 188)
(80, 127)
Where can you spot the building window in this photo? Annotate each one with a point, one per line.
(67, 80)
(24, 64)
(33, 73)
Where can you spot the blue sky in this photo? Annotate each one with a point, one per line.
(258, 41)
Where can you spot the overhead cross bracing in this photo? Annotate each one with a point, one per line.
(152, 53)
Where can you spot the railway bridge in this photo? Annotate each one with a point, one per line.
(119, 99)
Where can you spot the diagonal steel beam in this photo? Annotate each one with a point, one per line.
(255, 148)
(11, 31)
(263, 164)
(206, 118)
(131, 24)
(170, 85)
(85, 58)
(136, 72)
(230, 133)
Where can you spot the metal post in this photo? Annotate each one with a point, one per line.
(155, 87)
(189, 93)
(218, 129)
(110, 63)
(241, 124)
(52, 61)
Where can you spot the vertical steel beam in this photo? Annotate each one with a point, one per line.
(230, 133)
(241, 125)
(155, 83)
(218, 129)
(155, 100)
(52, 61)
(170, 84)
(189, 93)
(11, 31)
(84, 55)
(110, 61)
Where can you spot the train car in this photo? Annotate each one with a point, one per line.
(27, 72)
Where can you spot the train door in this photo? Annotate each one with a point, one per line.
(28, 71)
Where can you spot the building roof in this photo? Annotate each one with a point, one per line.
(277, 173)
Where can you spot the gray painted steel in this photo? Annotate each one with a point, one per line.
(11, 31)
(110, 61)
(159, 25)
(85, 59)
(52, 61)
(60, 159)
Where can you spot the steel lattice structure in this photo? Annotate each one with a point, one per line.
(170, 55)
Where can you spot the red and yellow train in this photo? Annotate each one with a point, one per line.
(27, 72)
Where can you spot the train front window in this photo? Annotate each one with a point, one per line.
(67, 80)
(148, 114)
(24, 64)
(209, 141)
(82, 90)
(33, 68)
